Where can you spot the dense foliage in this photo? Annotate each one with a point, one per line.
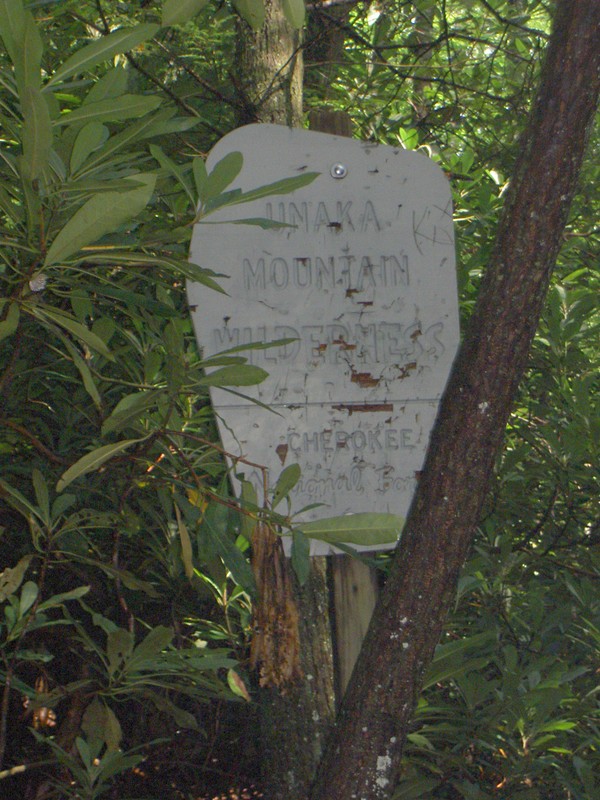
(126, 590)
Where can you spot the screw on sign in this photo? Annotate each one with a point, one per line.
(356, 286)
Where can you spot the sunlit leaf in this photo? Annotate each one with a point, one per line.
(127, 106)
(223, 173)
(294, 12)
(172, 169)
(93, 461)
(102, 49)
(29, 594)
(253, 11)
(177, 12)
(233, 559)
(243, 375)
(129, 409)
(90, 138)
(367, 530)
(285, 483)
(100, 215)
(284, 186)
(237, 685)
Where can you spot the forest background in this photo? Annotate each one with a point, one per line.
(126, 589)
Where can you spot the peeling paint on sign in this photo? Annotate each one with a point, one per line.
(362, 281)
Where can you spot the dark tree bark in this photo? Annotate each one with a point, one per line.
(269, 70)
(362, 761)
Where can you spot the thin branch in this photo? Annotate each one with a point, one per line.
(511, 22)
(56, 459)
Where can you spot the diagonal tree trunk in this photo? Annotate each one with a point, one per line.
(362, 761)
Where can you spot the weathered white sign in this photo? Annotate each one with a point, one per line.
(364, 284)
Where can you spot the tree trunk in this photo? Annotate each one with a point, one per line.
(363, 758)
(294, 722)
(270, 70)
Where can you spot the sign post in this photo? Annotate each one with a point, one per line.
(359, 279)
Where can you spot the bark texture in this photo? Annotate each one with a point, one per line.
(269, 70)
(362, 761)
(295, 720)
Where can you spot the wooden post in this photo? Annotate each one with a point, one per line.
(353, 584)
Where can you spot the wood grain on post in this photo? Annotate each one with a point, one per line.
(354, 584)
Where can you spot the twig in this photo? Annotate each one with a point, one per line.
(56, 459)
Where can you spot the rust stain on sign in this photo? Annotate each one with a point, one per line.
(351, 408)
(282, 451)
(406, 370)
(364, 379)
(344, 345)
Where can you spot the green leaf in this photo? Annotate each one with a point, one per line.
(29, 594)
(237, 685)
(100, 722)
(40, 488)
(253, 11)
(172, 169)
(224, 172)
(286, 482)
(250, 503)
(367, 530)
(101, 214)
(200, 175)
(18, 501)
(90, 138)
(124, 576)
(183, 719)
(69, 323)
(301, 556)
(177, 266)
(453, 659)
(12, 27)
(242, 375)
(177, 12)
(294, 12)
(186, 545)
(23, 43)
(260, 222)
(152, 645)
(284, 186)
(127, 106)
(10, 322)
(103, 49)
(93, 461)
(150, 125)
(37, 133)
(58, 599)
(28, 63)
(129, 409)
(119, 646)
(86, 374)
(233, 559)
(112, 84)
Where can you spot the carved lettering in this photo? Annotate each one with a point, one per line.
(337, 216)
(404, 349)
(350, 272)
(359, 441)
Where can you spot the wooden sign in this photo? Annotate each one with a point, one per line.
(361, 282)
